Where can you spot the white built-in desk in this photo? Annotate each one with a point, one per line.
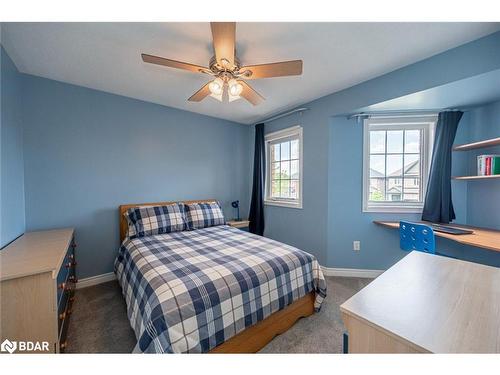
(427, 303)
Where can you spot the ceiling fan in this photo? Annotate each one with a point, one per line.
(229, 75)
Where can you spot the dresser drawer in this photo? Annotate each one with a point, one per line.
(64, 317)
(64, 308)
(66, 285)
(66, 274)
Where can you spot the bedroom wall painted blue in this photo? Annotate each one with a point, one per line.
(380, 246)
(87, 152)
(327, 139)
(12, 218)
(483, 196)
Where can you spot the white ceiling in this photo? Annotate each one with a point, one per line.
(106, 56)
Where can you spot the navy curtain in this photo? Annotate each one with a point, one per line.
(256, 216)
(438, 207)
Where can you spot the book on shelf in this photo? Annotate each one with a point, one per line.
(488, 165)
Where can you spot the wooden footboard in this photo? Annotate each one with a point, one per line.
(254, 338)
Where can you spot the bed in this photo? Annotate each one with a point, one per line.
(216, 289)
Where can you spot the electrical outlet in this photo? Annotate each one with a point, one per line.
(356, 245)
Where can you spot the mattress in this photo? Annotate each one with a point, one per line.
(190, 291)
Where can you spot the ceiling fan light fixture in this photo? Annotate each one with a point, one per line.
(216, 87)
(235, 88)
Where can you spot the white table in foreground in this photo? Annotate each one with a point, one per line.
(427, 303)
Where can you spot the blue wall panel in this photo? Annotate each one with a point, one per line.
(380, 246)
(12, 218)
(332, 162)
(483, 196)
(87, 152)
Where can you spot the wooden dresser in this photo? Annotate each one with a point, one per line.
(37, 283)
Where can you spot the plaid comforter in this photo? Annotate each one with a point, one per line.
(187, 292)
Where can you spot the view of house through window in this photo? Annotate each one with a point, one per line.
(395, 172)
(396, 157)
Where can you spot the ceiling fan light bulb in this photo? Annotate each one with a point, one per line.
(216, 86)
(239, 88)
(235, 88)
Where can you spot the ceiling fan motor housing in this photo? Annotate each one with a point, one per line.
(217, 68)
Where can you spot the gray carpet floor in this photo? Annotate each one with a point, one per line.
(99, 322)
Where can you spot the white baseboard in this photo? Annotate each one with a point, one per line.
(351, 272)
(94, 280)
(339, 272)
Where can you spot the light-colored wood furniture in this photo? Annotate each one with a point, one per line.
(473, 146)
(427, 303)
(482, 237)
(259, 335)
(37, 281)
(239, 224)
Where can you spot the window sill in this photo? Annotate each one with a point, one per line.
(394, 210)
(283, 204)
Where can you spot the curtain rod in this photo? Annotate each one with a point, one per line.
(403, 113)
(302, 109)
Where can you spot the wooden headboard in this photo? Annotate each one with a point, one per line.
(125, 207)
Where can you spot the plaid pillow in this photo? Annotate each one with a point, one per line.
(150, 220)
(203, 215)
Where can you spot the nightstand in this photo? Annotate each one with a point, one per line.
(239, 224)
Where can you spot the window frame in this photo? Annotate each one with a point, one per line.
(425, 123)
(274, 137)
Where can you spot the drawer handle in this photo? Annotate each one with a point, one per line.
(64, 314)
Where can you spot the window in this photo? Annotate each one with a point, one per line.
(284, 168)
(396, 157)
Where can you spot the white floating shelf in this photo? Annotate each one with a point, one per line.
(477, 177)
(481, 144)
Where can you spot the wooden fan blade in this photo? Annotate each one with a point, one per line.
(224, 36)
(172, 63)
(279, 69)
(201, 94)
(250, 94)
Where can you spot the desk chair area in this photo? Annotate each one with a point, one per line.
(428, 303)
(481, 237)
